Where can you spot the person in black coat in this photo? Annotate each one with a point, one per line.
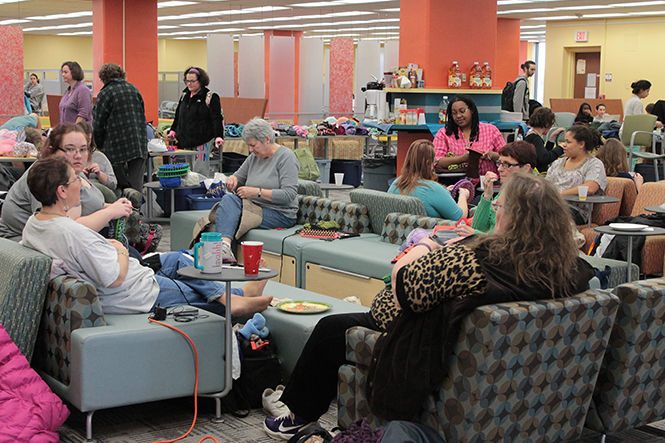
(198, 117)
(541, 122)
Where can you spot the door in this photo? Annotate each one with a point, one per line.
(587, 74)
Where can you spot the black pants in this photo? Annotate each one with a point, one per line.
(130, 174)
(313, 383)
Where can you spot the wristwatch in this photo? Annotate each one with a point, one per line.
(259, 194)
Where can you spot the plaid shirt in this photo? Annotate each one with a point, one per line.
(489, 139)
(119, 122)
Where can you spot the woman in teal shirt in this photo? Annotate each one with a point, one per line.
(513, 157)
(418, 179)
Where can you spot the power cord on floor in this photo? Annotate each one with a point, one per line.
(196, 386)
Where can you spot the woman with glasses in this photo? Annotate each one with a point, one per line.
(66, 141)
(513, 157)
(123, 284)
(464, 133)
(530, 256)
(418, 179)
(198, 117)
(99, 170)
(579, 168)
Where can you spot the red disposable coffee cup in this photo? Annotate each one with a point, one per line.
(251, 255)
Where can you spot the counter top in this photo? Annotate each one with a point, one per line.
(443, 91)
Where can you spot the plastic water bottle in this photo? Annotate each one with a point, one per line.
(443, 110)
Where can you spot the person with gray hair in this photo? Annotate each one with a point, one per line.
(119, 126)
(268, 178)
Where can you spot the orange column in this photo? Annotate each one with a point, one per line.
(126, 33)
(433, 33)
(507, 52)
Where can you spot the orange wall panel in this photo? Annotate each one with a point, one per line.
(434, 33)
(507, 52)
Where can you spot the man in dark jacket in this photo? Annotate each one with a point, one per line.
(119, 126)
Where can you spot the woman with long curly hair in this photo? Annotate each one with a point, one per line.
(418, 179)
(530, 256)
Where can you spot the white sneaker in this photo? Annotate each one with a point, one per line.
(227, 253)
(271, 403)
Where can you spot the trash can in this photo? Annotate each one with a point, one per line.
(324, 169)
(231, 161)
(377, 172)
(352, 170)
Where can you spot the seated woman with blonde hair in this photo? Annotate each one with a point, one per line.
(613, 156)
(418, 179)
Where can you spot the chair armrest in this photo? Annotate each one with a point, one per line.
(360, 344)
(632, 136)
(70, 304)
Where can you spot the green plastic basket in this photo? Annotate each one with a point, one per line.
(174, 170)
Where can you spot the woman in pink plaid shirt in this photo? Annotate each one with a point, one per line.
(464, 132)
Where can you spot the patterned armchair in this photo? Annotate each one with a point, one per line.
(397, 226)
(352, 217)
(630, 389)
(653, 251)
(521, 371)
(381, 203)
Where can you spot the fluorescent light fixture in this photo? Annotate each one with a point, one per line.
(4, 2)
(61, 16)
(521, 2)
(635, 4)
(253, 34)
(336, 3)
(375, 28)
(207, 31)
(308, 25)
(171, 4)
(221, 13)
(296, 18)
(76, 33)
(532, 26)
(189, 38)
(522, 11)
(13, 21)
(47, 28)
(167, 27)
(555, 17)
(532, 32)
(390, 10)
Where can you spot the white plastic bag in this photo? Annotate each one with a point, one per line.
(157, 145)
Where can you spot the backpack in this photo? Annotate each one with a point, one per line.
(135, 231)
(507, 95)
(309, 169)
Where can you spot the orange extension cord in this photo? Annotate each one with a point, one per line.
(196, 386)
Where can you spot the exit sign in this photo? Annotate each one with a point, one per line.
(582, 36)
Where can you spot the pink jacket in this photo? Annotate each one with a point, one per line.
(29, 411)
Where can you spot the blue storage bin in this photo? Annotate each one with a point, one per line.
(201, 201)
(164, 198)
(352, 170)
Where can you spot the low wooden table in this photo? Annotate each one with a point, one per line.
(630, 234)
(591, 200)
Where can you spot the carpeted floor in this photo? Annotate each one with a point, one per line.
(168, 419)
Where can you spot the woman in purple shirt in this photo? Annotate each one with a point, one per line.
(76, 103)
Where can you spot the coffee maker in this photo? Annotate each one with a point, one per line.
(376, 105)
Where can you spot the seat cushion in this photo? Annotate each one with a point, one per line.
(182, 227)
(365, 255)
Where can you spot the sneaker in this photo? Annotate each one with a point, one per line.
(227, 254)
(284, 427)
(271, 403)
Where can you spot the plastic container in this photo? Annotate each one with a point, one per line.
(476, 76)
(324, 169)
(379, 172)
(173, 170)
(181, 204)
(455, 76)
(169, 182)
(443, 110)
(201, 201)
(352, 170)
(487, 76)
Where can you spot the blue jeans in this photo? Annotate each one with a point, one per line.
(177, 290)
(229, 211)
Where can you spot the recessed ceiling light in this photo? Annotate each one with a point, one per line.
(336, 3)
(555, 17)
(390, 10)
(174, 3)
(167, 27)
(13, 21)
(532, 26)
(61, 16)
(76, 33)
(224, 12)
(46, 28)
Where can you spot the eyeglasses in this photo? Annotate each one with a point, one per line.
(71, 149)
(189, 82)
(496, 205)
(77, 179)
(460, 111)
(507, 165)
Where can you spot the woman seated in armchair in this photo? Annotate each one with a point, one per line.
(268, 178)
(531, 255)
(418, 179)
(123, 284)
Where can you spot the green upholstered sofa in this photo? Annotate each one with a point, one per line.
(521, 371)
